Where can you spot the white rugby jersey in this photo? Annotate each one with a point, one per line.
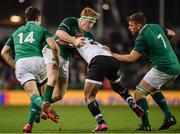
(91, 49)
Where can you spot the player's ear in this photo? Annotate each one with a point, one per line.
(39, 19)
(139, 26)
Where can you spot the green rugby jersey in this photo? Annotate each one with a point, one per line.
(70, 25)
(153, 41)
(27, 40)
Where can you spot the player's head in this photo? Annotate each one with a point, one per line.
(136, 22)
(33, 14)
(88, 19)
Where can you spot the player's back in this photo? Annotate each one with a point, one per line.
(159, 49)
(91, 49)
(28, 40)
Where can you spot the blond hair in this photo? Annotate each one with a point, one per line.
(89, 12)
(138, 18)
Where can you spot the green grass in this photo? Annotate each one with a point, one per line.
(77, 119)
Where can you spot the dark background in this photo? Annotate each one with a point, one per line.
(111, 29)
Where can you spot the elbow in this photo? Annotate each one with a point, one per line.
(2, 53)
(173, 34)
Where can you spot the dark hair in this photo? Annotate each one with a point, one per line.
(32, 13)
(137, 18)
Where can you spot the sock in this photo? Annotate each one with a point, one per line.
(144, 105)
(37, 100)
(48, 93)
(94, 109)
(161, 102)
(130, 100)
(32, 113)
(124, 93)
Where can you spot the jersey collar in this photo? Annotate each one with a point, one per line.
(142, 28)
(31, 22)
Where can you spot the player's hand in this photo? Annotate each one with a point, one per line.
(78, 42)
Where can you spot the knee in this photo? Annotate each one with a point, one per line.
(140, 93)
(123, 92)
(116, 87)
(89, 97)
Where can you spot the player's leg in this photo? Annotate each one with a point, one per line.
(60, 89)
(58, 94)
(159, 98)
(169, 119)
(114, 76)
(52, 73)
(95, 76)
(42, 114)
(125, 94)
(62, 82)
(35, 106)
(142, 90)
(151, 84)
(90, 91)
(24, 75)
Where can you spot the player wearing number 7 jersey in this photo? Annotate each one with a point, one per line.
(27, 43)
(152, 39)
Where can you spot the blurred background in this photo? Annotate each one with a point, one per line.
(111, 29)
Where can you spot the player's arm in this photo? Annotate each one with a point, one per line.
(65, 37)
(55, 49)
(5, 53)
(170, 33)
(132, 57)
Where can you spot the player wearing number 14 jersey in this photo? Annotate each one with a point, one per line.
(27, 43)
(152, 39)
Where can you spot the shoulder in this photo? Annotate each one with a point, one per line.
(18, 30)
(153, 25)
(40, 27)
(70, 19)
(141, 36)
(68, 23)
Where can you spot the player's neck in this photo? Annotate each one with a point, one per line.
(32, 21)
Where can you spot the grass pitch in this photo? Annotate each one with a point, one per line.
(77, 119)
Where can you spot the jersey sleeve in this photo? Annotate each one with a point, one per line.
(10, 42)
(140, 44)
(65, 25)
(46, 34)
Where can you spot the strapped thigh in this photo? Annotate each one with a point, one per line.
(142, 90)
